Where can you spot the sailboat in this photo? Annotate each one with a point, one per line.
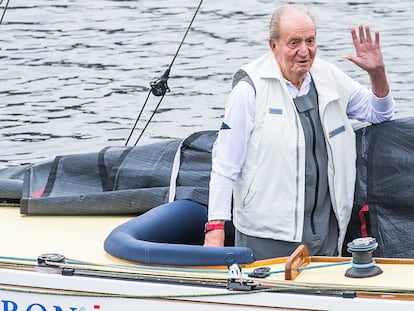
(92, 231)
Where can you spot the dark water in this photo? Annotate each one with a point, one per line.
(74, 74)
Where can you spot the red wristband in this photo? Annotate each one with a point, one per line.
(209, 227)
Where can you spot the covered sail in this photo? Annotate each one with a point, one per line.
(384, 190)
(115, 180)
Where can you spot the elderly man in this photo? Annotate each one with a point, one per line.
(285, 154)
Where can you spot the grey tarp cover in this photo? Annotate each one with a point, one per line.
(115, 180)
(385, 184)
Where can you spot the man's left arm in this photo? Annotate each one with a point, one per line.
(369, 58)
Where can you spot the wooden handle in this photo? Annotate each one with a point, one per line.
(300, 257)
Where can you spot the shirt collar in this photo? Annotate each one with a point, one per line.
(304, 89)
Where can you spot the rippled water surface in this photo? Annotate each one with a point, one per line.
(74, 74)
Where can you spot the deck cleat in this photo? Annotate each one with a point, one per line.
(236, 280)
(260, 272)
(50, 263)
(363, 265)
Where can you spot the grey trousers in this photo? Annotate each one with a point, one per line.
(265, 248)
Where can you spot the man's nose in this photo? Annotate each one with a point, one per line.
(303, 49)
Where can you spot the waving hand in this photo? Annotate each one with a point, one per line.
(369, 57)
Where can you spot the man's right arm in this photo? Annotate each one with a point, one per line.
(220, 196)
(228, 157)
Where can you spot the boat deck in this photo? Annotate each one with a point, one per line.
(81, 238)
(75, 237)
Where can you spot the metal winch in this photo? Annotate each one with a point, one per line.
(363, 264)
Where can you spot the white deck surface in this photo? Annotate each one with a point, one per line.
(75, 237)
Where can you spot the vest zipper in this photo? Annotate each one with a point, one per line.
(315, 160)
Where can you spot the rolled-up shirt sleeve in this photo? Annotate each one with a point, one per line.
(229, 151)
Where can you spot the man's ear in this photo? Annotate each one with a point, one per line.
(272, 44)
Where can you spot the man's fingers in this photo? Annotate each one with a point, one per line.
(354, 36)
(368, 34)
(361, 34)
(351, 58)
(377, 38)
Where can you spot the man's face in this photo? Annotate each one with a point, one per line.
(295, 51)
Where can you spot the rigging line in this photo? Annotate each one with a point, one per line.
(4, 10)
(133, 268)
(159, 87)
(185, 35)
(327, 265)
(149, 120)
(138, 118)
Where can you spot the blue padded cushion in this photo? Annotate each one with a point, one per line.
(172, 234)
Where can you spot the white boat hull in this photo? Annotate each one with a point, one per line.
(101, 282)
(36, 291)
